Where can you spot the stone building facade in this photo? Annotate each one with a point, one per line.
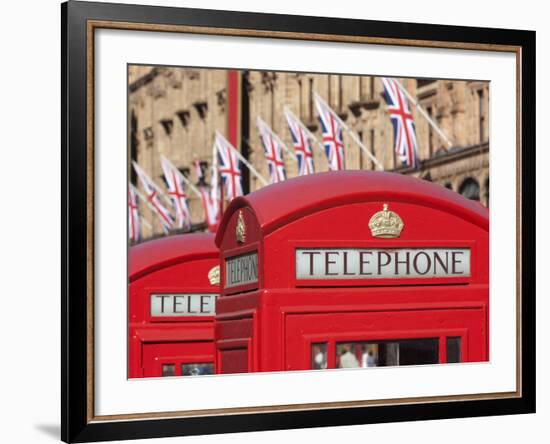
(176, 111)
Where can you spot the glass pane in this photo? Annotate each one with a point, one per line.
(197, 369)
(348, 355)
(419, 351)
(319, 356)
(168, 370)
(453, 349)
(387, 353)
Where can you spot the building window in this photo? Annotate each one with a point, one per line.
(310, 104)
(470, 189)
(371, 88)
(300, 109)
(340, 94)
(423, 82)
(429, 110)
(481, 109)
(133, 146)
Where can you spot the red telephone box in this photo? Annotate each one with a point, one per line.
(352, 269)
(173, 286)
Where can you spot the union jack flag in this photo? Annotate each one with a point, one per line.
(229, 167)
(332, 135)
(176, 191)
(134, 229)
(301, 144)
(273, 152)
(404, 133)
(152, 194)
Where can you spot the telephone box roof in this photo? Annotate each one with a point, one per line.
(170, 250)
(279, 204)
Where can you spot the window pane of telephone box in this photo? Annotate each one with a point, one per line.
(453, 350)
(319, 356)
(197, 369)
(168, 370)
(387, 353)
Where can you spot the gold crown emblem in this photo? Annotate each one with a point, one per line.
(214, 275)
(386, 224)
(240, 230)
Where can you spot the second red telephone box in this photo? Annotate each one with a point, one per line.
(352, 269)
(173, 287)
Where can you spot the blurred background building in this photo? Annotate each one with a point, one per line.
(176, 111)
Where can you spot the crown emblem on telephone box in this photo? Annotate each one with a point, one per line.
(214, 275)
(385, 224)
(240, 229)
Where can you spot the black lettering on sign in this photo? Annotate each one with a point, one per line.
(329, 262)
(167, 305)
(385, 263)
(405, 262)
(363, 262)
(241, 270)
(378, 263)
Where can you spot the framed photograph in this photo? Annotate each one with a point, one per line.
(275, 221)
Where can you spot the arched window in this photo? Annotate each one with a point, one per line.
(470, 189)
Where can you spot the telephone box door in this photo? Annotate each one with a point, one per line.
(389, 338)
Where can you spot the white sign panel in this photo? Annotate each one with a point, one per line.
(241, 270)
(376, 263)
(183, 305)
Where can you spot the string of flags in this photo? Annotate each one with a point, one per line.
(172, 208)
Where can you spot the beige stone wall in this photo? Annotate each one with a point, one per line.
(192, 101)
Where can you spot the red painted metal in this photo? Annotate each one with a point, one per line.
(270, 325)
(174, 264)
(234, 107)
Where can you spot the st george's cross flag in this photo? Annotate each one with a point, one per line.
(332, 135)
(273, 152)
(152, 194)
(229, 167)
(302, 148)
(404, 134)
(176, 191)
(211, 206)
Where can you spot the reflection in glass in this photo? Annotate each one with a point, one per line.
(168, 370)
(387, 353)
(453, 350)
(197, 369)
(319, 356)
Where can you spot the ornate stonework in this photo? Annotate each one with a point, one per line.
(175, 111)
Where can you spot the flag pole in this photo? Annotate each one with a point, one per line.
(145, 222)
(424, 114)
(260, 122)
(185, 179)
(243, 160)
(352, 134)
(306, 129)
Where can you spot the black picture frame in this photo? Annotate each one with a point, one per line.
(77, 423)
